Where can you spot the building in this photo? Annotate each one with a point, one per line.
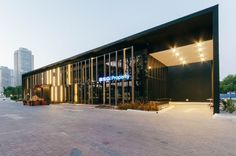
(178, 61)
(23, 63)
(5, 78)
(12, 77)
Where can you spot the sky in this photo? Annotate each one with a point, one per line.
(57, 29)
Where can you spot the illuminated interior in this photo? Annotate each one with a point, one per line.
(193, 53)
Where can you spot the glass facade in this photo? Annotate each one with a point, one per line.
(104, 79)
(112, 78)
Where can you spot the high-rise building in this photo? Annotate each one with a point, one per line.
(23, 63)
(12, 77)
(5, 77)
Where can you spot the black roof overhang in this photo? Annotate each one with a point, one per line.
(182, 31)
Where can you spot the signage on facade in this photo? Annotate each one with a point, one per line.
(114, 78)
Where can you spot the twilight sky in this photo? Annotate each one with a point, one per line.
(56, 29)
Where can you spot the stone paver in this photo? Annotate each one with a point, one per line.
(81, 130)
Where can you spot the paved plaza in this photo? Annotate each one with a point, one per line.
(82, 130)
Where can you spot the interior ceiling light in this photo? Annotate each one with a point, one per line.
(184, 62)
(201, 55)
(202, 59)
(149, 67)
(173, 50)
(181, 58)
(176, 54)
(199, 49)
(199, 44)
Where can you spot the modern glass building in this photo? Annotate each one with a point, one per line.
(23, 63)
(178, 61)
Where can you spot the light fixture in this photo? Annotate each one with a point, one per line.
(176, 54)
(200, 49)
(149, 67)
(202, 59)
(199, 44)
(173, 50)
(184, 62)
(181, 58)
(201, 55)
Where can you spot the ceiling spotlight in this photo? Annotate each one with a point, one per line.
(199, 49)
(202, 59)
(176, 54)
(174, 50)
(181, 58)
(184, 62)
(199, 44)
(149, 67)
(201, 55)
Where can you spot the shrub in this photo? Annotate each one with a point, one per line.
(224, 102)
(140, 106)
(228, 106)
(14, 98)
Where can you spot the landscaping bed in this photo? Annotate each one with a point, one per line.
(105, 106)
(151, 106)
(228, 105)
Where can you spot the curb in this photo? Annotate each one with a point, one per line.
(141, 111)
(166, 109)
(224, 116)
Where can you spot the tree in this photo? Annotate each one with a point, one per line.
(15, 92)
(9, 91)
(228, 84)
